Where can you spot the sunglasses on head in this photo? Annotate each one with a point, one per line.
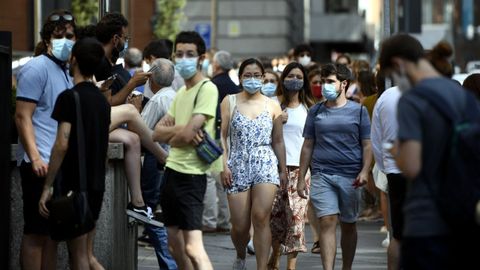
(57, 17)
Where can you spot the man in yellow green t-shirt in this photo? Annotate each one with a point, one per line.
(193, 108)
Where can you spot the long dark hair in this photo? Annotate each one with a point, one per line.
(366, 81)
(304, 95)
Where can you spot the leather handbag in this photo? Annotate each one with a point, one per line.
(70, 214)
(208, 149)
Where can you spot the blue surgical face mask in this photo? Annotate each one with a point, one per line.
(205, 64)
(124, 51)
(329, 91)
(269, 89)
(252, 85)
(186, 67)
(61, 48)
(293, 85)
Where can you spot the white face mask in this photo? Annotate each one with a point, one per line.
(304, 60)
(401, 80)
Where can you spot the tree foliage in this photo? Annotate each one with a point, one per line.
(85, 11)
(168, 19)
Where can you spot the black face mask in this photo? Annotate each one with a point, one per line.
(116, 52)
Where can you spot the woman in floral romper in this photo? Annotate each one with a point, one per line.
(288, 214)
(254, 162)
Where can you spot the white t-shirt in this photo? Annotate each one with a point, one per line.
(293, 134)
(385, 128)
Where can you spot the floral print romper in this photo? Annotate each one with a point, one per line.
(251, 160)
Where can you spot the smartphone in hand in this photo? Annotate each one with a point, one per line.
(105, 84)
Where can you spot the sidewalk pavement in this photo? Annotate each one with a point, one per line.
(370, 253)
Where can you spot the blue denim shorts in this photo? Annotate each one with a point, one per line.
(334, 194)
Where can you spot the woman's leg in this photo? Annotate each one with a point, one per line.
(128, 114)
(240, 204)
(274, 261)
(262, 201)
(77, 248)
(292, 260)
(131, 143)
(94, 264)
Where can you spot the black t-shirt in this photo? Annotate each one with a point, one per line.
(96, 121)
(419, 121)
(225, 87)
(122, 78)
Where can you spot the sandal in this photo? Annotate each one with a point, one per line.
(316, 248)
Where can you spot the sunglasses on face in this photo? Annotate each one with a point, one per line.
(57, 17)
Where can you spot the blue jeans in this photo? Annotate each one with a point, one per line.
(152, 181)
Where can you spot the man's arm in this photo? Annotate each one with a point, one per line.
(362, 177)
(23, 119)
(187, 134)
(305, 159)
(407, 150)
(138, 78)
(58, 154)
(409, 158)
(165, 129)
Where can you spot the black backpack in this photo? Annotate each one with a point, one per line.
(458, 195)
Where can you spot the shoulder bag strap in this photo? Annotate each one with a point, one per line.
(81, 144)
(196, 96)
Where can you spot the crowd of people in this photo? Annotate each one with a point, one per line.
(302, 143)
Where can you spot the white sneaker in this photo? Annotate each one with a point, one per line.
(143, 214)
(239, 264)
(250, 248)
(386, 241)
(383, 229)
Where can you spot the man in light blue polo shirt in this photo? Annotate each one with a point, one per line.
(40, 81)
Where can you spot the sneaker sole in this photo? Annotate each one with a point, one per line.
(143, 218)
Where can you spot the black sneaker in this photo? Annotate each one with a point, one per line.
(143, 214)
